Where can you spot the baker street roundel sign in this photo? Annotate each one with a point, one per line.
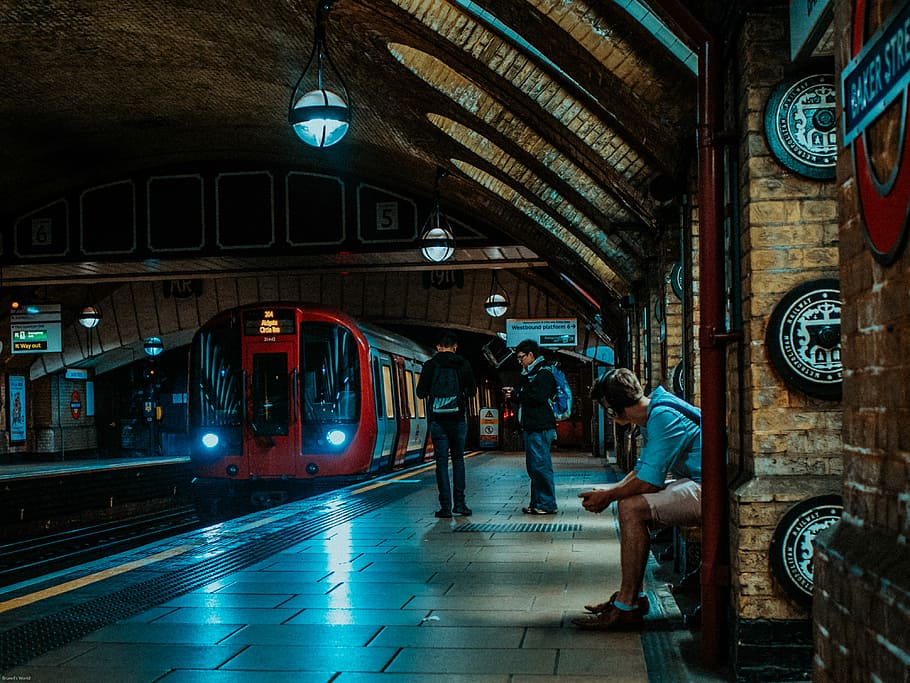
(874, 86)
(801, 125)
(792, 552)
(803, 338)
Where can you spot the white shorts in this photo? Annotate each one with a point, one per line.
(678, 504)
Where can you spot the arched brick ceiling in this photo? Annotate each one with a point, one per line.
(553, 117)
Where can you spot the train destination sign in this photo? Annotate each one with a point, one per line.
(36, 329)
(268, 322)
(553, 332)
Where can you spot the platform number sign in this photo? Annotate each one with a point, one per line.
(803, 339)
(792, 550)
(386, 216)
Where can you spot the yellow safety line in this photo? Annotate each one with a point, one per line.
(92, 578)
(409, 473)
(173, 552)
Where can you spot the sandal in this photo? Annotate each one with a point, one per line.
(643, 604)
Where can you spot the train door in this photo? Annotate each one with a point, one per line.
(270, 369)
(385, 410)
(404, 418)
(416, 411)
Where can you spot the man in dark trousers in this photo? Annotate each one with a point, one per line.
(447, 383)
(535, 417)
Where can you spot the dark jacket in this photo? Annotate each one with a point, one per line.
(465, 380)
(537, 387)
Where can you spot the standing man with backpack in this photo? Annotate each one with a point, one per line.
(535, 417)
(447, 382)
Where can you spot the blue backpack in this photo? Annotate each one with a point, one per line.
(562, 402)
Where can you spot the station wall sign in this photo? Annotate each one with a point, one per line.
(489, 427)
(552, 332)
(792, 551)
(803, 338)
(808, 21)
(877, 77)
(36, 329)
(801, 125)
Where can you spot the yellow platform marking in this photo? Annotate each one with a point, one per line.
(24, 600)
(405, 475)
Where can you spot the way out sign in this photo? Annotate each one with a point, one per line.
(489, 428)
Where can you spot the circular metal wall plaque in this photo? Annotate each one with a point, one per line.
(679, 380)
(677, 280)
(803, 339)
(791, 544)
(801, 125)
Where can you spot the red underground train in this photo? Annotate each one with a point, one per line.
(286, 395)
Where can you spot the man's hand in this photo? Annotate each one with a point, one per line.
(595, 501)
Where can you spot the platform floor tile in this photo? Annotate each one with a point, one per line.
(309, 657)
(442, 661)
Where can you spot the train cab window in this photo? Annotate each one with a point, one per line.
(387, 396)
(409, 391)
(270, 394)
(329, 374)
(421, 404)
(215, 396)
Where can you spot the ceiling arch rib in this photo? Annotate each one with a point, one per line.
(625, 167)
(592, 261)
(595, 239)
(602, 206)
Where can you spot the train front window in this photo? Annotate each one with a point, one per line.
(216, 383)
(269, 394)
(329, 374)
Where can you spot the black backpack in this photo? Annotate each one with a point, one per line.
(446, 391)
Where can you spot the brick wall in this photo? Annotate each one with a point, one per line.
(862, 566)
(785, 445)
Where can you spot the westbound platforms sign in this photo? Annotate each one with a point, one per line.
(553, 332)
(36, 329)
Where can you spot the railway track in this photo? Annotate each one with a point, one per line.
(27, 559)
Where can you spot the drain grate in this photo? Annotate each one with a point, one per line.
(519, 528)
(24, 642)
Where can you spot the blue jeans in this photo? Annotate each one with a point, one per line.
(540, 469)
(448, 441)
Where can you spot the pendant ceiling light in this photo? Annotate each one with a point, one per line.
(437, 241)
(320, 116)
(497, 303)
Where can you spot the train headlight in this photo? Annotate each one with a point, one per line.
(336, 437)
(210, 440)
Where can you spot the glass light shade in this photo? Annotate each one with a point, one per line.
(320, 118)
(496, 305)
(153, 346)
(90, 317)
(437, 245)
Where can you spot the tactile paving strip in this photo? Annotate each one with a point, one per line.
(519, 528)
(219, 558)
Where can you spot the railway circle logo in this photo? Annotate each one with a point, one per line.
(678, 280)
(801, 125)
(792, 550)
(679, 380)
(874, 86)
(803, 338)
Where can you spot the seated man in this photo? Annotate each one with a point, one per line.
(671, 443)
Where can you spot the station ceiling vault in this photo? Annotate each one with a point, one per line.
(557, 120)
